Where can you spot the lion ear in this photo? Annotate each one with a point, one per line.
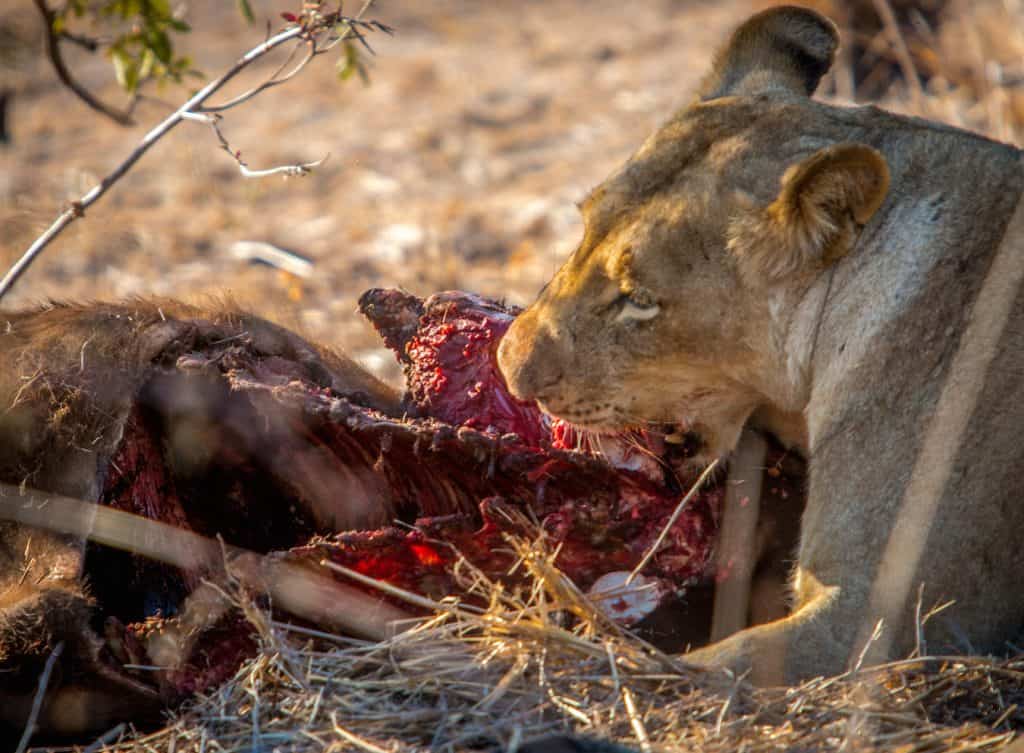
(823, 203)
(784, 49)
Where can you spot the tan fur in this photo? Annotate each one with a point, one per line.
(88, 362)
(851, 277)
(70, 376)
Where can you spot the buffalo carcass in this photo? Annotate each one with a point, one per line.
(224, 425)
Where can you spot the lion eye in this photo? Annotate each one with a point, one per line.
(633, 311)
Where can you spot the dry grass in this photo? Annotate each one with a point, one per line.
(963, 59)
(973, 66)
(547, 661)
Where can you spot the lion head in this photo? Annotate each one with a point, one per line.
(697, 255)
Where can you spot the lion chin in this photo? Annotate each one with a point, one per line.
(847, 279)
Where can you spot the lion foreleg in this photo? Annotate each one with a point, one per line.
(804, 644)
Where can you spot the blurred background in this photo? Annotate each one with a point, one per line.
(458, 166)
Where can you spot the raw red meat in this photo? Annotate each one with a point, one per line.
(447, 349)
(604, 519)
(448, 345)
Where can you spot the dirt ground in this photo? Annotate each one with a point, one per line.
(458, 167)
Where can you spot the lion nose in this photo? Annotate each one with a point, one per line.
(526, 363)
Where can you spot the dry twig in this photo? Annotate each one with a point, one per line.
(213, 120)
(315, 28)
(899, 46)
(53, 40)
(37, 702)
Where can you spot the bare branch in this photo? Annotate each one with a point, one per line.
(274, 80)
(213, 120)
(86, 43)
(320, 24)
(287, 170)
(121, 117)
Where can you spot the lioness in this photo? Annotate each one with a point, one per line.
(852, 276)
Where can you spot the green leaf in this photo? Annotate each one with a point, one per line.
(158, 41)
(121, 62)
(125, 69)
(123, 8)
(132, 78)
(147, 65)
(156, 8)
(246, 10)
(178, 25)
(349, 62)
(352, 63)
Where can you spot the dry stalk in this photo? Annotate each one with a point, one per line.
(481, 680)
(106, 738)
(296, 589)
(37, 702)
(899, 45)
(672, 520)
(508, 664)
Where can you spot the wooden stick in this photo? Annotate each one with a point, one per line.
(291, 586)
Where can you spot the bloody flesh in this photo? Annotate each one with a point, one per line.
(225, 439)
(470, 455)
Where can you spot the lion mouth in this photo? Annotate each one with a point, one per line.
(659, 449)
(585, 421)
(680, 432)
(691, 443)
